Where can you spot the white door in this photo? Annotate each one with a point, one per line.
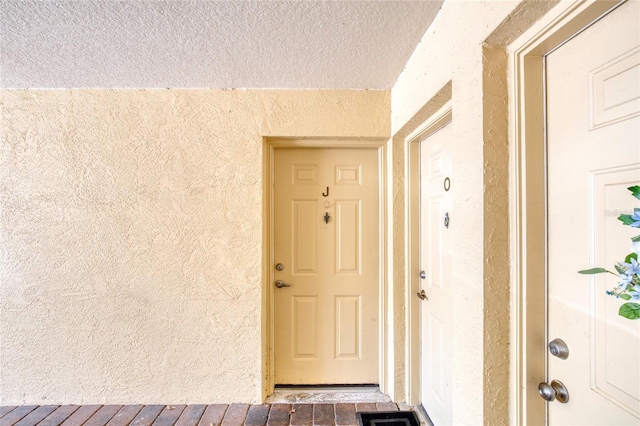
(593, 103)
(326, 235)
(436, 262)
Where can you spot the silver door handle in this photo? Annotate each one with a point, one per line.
(281, 284)
(555, 391)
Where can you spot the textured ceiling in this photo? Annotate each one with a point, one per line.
(212, 44)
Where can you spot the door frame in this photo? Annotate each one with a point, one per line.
(528, 208)
(270, 144)
(438, 120)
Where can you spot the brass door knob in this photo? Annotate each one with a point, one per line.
(281, 284)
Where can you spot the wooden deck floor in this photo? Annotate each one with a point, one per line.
(188, 415)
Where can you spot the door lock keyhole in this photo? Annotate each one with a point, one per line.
(326, 217)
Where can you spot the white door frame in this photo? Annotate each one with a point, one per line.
(268, 341)
(438, 120)
(528, 195)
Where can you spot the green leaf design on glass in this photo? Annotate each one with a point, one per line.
(630, 310)
(635, 190)
(594, 271)
(626, 219)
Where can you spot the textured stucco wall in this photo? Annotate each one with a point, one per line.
(465, 46)
(131, 237)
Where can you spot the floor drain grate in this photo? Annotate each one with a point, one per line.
(388, 418)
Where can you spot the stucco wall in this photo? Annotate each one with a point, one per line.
(465, 46)
(131, 237)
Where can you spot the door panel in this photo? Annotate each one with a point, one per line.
(326, 235)
(611, 378)
(348, 336)
(305, 242)
(348, 217)
(304, 314)
(436, 262)
(593, 103)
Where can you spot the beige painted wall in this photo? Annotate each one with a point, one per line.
(131, 225)
(466, 46)
(131, 237)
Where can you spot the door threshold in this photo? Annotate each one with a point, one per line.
(316, 394)
(335, 386)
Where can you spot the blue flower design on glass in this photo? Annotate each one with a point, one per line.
(633, 268)
(625, 280)
(635, 292)
(636, 218)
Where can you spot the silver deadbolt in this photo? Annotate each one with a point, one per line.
(423, 275)
(559, 348)
(556, 390)
(446, 220)
(281, 284)
(279, 267)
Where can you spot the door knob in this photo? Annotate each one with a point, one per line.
(559, 348)
(422, 295)
(556, 390)
(281, 284)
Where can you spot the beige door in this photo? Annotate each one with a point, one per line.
(327, 222)
(435, 263)
(593, 95)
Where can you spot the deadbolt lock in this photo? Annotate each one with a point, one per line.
(279, 267)
(559, 348)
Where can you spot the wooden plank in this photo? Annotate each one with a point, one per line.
(191, 415)
(324, 414)
(279, 415)
(235, 415)
(346, 414)
(60, 415)
(16, 415)
(81, 415)
(147, 415)
(387, 406)
(213, 415)
(6, 409)
(257, 415)
(125, 415)
(169, 415)
(366, 407)
(37, 415)
(103, 415)
(303, 414)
